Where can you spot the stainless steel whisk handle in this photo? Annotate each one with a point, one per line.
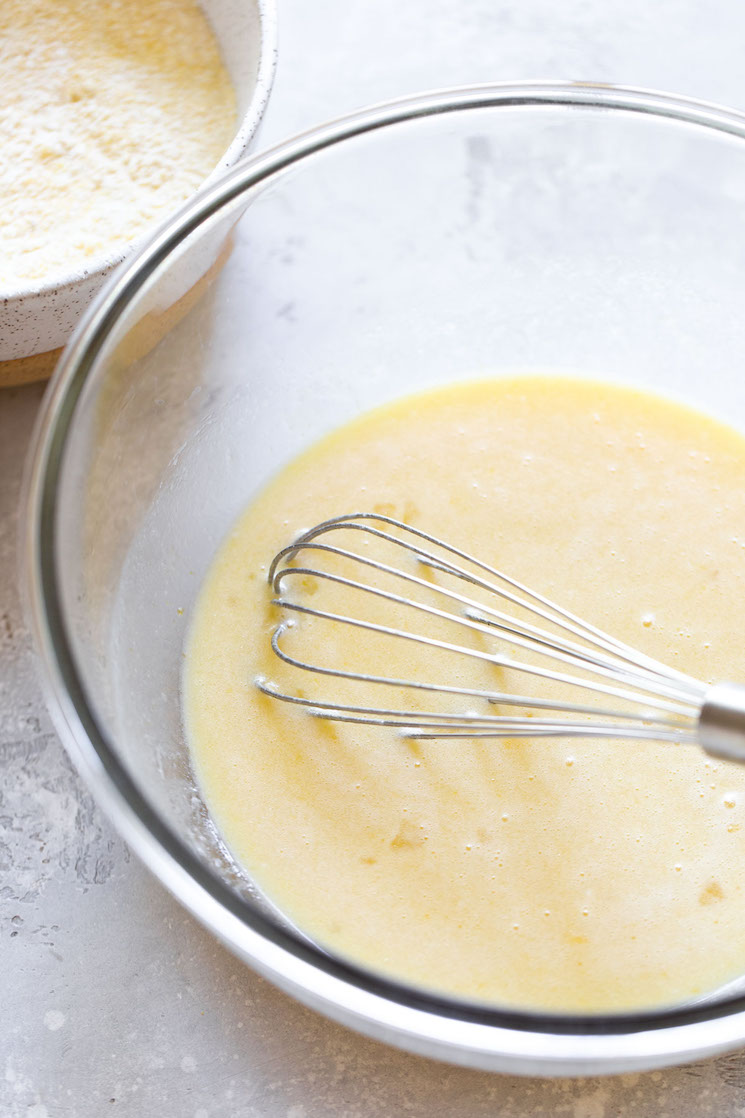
(721, 724)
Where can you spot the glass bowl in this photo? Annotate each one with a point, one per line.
(553, 227)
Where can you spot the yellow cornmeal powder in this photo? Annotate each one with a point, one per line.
(580, 875)
(112, 112)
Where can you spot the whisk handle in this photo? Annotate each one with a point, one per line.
(721, 724)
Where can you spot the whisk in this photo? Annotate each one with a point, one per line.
(633, 696)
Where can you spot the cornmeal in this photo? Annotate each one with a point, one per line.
(112, 112)
(589, 875)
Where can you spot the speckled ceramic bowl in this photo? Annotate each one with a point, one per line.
(35, 324)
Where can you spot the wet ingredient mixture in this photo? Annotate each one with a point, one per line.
(590, 875)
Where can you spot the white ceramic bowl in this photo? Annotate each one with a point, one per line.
(35, 324)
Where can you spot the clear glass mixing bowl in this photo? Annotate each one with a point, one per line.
(552, 227)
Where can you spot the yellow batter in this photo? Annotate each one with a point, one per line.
(590, 875)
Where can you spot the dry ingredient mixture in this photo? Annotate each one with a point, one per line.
(589, 875)
(112, 112)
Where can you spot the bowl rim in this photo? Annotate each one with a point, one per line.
(531, 1042)
(100, 266)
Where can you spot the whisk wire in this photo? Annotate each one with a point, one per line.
(529, 637)
(545, 608)
(500, 698)
(493, 725)
(665, 702)
(489, 657)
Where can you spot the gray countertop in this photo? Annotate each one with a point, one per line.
(114, 1001)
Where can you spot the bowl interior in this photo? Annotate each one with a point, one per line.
(37, 319)
(490, 240)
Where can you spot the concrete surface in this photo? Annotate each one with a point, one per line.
(113, 1001)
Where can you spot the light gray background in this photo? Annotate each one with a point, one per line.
(113, 1001)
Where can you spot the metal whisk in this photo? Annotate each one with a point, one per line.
(633, 695)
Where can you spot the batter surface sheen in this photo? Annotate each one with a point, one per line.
(594, 875)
